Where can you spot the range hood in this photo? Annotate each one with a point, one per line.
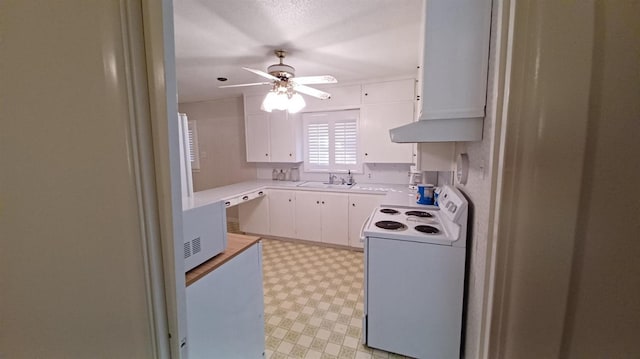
(452, 79)
(439, 130)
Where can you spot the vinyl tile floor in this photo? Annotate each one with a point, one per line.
(313, 302)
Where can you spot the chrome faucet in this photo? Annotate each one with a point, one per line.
(332, 178)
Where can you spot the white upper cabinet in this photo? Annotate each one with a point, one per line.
(389, 91)
(386, 105)
(342, 97)
(271, 137)
(455, 59)
(258, 142)
(285, 137)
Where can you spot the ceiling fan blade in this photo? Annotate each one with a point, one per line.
(310, 80)
(244, 85)
(312, 92)
(262, 73)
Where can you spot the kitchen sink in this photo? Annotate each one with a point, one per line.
(325, 185)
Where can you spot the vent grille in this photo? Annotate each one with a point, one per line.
(187, 250)
(195, 245)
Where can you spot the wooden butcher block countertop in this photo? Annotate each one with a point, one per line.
(236, 244)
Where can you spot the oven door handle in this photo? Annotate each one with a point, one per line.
(366, 222)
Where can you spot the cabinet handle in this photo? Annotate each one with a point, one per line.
(289, 199)
(366, 94)
(245, 198)
(322, 202)
(290, 155)
(227, 203)
(366, 154)
(353, 204)
(266, 154)
(260, 193)
(317, 202)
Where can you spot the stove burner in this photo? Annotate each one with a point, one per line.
(389, 211)
(419, 214)
(427, 229)
(392, 225)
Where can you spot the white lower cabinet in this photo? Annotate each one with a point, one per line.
(225, 309)
(360, 207)
(282, 212)
(322, 217)
(326, 217)
(254, 216)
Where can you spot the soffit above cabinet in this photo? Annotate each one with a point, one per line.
(353, 41)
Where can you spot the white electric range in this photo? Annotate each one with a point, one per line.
(414, 277)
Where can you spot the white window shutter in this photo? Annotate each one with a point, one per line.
(318, 144)
(331, 141)
(346, 142)
(194, 151)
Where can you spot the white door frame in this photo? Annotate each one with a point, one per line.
(540, 135)
(161, 188)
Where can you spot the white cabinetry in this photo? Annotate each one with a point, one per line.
(386, 105)
(389, 91)
(282, 213)
(360, 207)
(455, 59)
(225, 309)
(342, 98)
(322, 217)
(271, 137)
(258, 143)
(254, 216)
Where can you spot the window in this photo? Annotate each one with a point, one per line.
(331, 141)
(194, 151)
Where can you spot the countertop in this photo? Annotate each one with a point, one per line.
(395, 194)
(236, 244)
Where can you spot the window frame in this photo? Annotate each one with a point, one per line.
(192, 145)
(331, 118)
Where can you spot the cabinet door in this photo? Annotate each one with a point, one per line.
(360, 208)
(256, 130)
(252, 104)
(376, 121)
(390, 91)
(335, 218)
(284, 137)
(308, 216)
(225, 309)
(342, 97)
(282, 213)
(455, 58)
(254, 216)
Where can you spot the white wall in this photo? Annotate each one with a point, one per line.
(221, 140)
(373, 173)
(72, 273)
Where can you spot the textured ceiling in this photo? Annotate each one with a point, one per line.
(353, 40)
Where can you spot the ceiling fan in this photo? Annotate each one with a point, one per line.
(285, 85)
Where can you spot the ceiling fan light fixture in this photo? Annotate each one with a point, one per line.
(283, 98)
(268, 102)
(296, 103)
(281, 101)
